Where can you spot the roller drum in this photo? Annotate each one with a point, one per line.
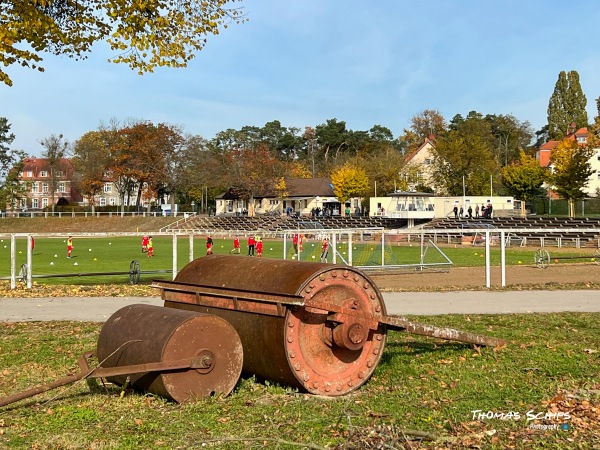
(143, 334)
(329, 343)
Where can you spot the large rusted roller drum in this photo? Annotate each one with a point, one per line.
(308, 325)
(197, 355)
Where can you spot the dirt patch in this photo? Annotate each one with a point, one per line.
(555, 276)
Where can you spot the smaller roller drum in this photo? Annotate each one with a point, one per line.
(206, 348)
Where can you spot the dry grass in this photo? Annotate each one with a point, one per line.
(83, 224)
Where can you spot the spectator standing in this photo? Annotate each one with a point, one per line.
(470, 212)
(477, 211)
(455, 210)
(69, 246)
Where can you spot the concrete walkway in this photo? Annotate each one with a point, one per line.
(98, 309)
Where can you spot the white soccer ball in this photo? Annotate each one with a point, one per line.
(110, 243)
(56, 256)
(51, 263)
(89, 249)
(313, 256)
(75, 264)
(269, 249)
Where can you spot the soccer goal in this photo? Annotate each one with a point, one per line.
(366, 248)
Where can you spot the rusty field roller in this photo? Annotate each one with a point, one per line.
(207, 348)
(318, 327)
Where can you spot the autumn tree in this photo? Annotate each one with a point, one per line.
(251, 171)
(144, 34)
(524, 179)
(567, 105)
(425, 124)
(200, 171)
(140, 156)
(349, 181)
(571, 170)
(91, 161)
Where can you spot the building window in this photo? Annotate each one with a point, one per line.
(112, 201)
(44, 188)
(61, 187)
(43, 174)
(35, 203)
(35, 188)
(29, 173)
(102, 201)
(427, 162)
(59, 174)
(44, 202)
(107, 187)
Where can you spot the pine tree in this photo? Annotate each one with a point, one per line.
(566, 106)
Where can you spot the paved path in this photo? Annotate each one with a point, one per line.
(98, 309)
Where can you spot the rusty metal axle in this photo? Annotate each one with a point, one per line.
(102, 372)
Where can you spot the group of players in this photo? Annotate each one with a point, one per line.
(255, 246)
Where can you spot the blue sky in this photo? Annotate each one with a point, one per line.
(363, 62)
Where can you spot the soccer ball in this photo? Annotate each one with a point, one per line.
(89, 249)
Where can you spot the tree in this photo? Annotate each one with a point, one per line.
(146, 34)
(571, 170)
(425, 124)
(251, 171)
(511, 136)
(566, 106)
(55, 151)
(349, 181)
(91, 160)
(524, 179)
(463, 157)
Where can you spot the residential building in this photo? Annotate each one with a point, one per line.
(302, 196)
(581, 136)
(48, 184)
(419, 163)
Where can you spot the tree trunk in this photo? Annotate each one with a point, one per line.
(571, 208)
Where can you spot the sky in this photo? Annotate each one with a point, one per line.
(365, 63)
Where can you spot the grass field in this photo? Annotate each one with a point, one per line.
(423, 395)
(115, 254)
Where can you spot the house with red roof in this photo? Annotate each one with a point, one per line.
(580, 135)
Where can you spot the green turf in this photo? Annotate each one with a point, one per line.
(114, 254)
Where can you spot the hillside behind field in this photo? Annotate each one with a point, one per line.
(83, 224)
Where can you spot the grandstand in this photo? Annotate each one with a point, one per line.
(272, 224)
(578, 232)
